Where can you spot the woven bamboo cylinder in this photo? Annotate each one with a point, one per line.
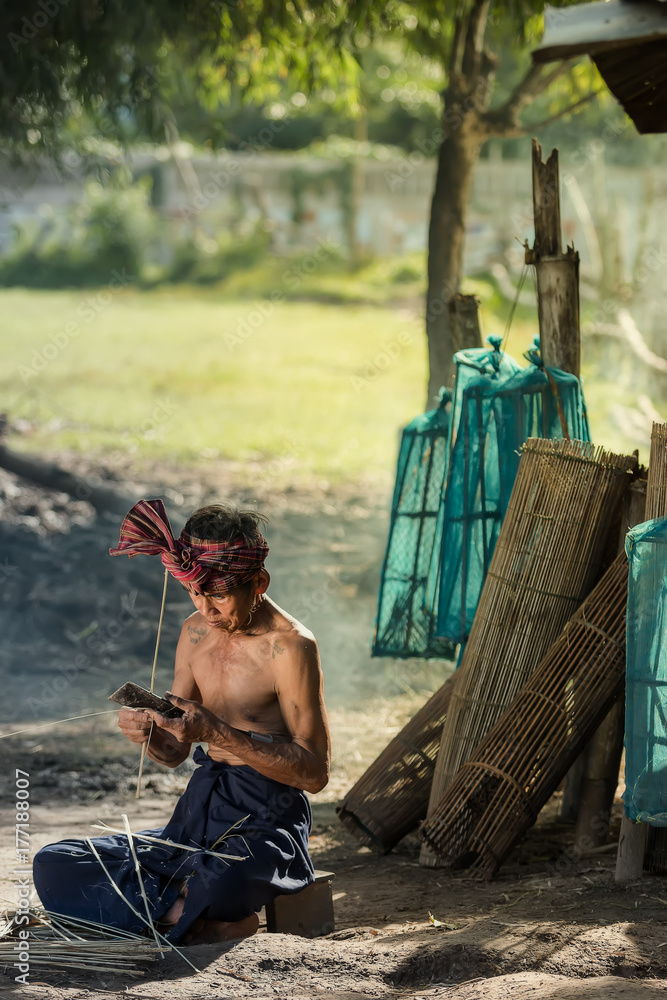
(565, 497)
(498, 793)
(391, 797)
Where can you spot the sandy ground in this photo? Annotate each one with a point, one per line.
(550, 927)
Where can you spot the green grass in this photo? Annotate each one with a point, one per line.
(314, 389)
(317, 386)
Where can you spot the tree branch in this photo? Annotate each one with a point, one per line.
(532, 126)
(504, 120)
(474, 43)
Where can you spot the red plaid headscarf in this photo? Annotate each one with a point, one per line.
(210, 567)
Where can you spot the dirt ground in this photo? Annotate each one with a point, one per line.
(550, 927)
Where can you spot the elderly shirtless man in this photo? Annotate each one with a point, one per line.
(248, 679)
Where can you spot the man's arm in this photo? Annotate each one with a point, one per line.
(164, 747)
(303, 762)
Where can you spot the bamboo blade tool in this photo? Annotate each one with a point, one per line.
(144, 746)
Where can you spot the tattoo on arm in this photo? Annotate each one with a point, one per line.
(196, 634)
(277, 649)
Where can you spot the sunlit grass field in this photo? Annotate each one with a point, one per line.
(317, 388)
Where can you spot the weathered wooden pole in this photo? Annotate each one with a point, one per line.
(466, 322)
(602, 758)
(557, 273)
(557, 276)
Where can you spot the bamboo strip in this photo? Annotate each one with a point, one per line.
(391, 797)
(547, 557)
(497, 794)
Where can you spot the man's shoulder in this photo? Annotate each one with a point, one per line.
(194, 628)
(291, 629)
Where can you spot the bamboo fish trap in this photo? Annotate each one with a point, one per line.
(498, 793)
(391, 797)
(565, 497)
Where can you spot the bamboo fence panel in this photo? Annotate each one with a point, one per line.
(547, 558)
(498, 793)
(391, 797)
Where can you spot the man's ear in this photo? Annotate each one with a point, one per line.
(262, 581)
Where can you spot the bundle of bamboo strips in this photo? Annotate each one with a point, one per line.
(656, 490)
(59, 944)
(565, 497)
(391, 797)
(499, 792)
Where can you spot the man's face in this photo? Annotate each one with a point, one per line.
(225, 612)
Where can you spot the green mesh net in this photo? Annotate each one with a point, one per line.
(456, 469)
(405, 626)
(645, 793)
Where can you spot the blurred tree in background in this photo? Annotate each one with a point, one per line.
(439, 78)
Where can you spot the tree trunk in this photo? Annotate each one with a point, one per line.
(457, 159)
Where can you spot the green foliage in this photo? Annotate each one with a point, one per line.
(204, 261)
(109, 229)
(113, 229)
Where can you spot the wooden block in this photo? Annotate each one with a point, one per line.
(308, 913)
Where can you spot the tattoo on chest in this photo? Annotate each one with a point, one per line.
(196, 634)
(277, 649)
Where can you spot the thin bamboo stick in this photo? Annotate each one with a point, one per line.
(140, 880)
(94, 850)
(144, 746)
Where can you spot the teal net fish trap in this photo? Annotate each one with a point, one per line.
(405, 626)
(645, 795)
(497, 406)
(456, 469)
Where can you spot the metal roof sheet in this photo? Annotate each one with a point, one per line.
(627, 40)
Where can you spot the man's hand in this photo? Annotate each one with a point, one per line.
(196, 725)
(134, 723)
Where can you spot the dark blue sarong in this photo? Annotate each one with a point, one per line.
(273, 839)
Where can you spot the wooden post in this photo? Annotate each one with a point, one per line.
(557, 272)
(600, 780)
(602, 758)
(557, 275)
(630, 856)
(466, 322)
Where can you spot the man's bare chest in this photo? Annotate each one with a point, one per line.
(236, 682)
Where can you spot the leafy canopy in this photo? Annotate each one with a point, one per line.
(123, 59)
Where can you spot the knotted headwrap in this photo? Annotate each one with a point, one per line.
(210, 567)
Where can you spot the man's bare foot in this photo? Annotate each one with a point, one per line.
(212, 931)
(173, 914)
